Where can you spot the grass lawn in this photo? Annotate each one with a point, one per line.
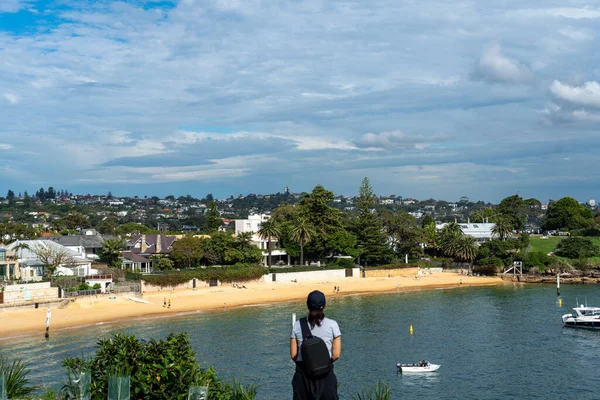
(549, 244)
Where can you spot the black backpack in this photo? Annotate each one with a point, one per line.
(315, 356)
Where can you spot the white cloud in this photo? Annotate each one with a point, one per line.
(11, 98)
(576, 34)
(497, 67)
(396, 140)
(13, 6)
(564, 12)
(4, 146)
(588, 94)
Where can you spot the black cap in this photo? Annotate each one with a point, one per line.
(315, 300)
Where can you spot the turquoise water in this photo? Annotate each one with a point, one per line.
(492, 343)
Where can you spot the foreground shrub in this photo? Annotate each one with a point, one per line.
(15, 373)
(159, 369)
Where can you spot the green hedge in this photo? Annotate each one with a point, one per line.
(238, 272)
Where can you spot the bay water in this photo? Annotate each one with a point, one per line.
(502, 342)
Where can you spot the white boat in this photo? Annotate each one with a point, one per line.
(583, 317)
(420, 367)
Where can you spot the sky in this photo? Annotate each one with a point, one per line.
(429, 99)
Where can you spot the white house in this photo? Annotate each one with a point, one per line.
(33, 269)
(252, 224)
(480, 231)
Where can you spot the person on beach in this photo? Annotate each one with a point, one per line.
(169, 306)
(165, 302)
(325, 388)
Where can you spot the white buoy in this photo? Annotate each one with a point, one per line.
(558, 284)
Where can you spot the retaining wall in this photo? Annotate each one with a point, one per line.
(390, 273)
(32, 292)
(311, 275)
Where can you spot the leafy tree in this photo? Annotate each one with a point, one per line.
(302, 232)
(73, 222)
(110, 252)
(427, 220)
(404, 232)
(515, 210)
(269, 230)
(315, 207)
(567, 213)
(162, 263)
(132, 228)
(187, 251)
(107, 226)
(213, 219)
(10, 195)
(485, 215)
(576, 247)
(502, 229)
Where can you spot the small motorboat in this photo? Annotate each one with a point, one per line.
(583, 317)
(419, 367)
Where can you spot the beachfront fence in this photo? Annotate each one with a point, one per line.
(92, 292)
(129, 287)
(78, 386)
(198, 393)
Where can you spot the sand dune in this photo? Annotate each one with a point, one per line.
(98, 309)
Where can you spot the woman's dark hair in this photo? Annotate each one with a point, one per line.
(315, 316)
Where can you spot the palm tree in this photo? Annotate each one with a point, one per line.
(19, 248)
(465, 248)
(302, 232)
(503, 229)
(269, 230)
(244, 240)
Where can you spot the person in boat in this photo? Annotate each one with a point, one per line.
(328, 330)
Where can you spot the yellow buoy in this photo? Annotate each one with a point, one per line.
(560, 302)
(411, 329)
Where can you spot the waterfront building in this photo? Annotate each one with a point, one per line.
(480, 231)
(252, 224)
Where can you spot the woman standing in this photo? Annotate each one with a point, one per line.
(304, 386)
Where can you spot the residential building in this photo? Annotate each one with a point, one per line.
(151, 245)
(87, 244)
(135, 262)
(9, 265)
(252, 224)
(480, 231)
(591, 203)
(32, 268)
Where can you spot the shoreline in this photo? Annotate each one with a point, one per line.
(100, 310)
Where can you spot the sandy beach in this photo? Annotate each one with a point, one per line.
(102, 309)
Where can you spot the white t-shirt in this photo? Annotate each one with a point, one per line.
(328, 331)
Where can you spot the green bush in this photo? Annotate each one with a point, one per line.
(576, 247)
(159, 369)
(381, 391)
(492, 261)
(234, 273)
(97, 286)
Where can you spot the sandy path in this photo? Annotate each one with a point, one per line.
(92, 310)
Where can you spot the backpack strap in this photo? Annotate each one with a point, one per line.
(306, 334)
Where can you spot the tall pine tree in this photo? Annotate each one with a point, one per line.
(213, 219)
(371, 238)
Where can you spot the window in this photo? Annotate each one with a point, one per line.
(2, 255)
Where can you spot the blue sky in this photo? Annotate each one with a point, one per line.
(437, 99)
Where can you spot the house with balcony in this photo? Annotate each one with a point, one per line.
(9, 265)
(252, 224)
